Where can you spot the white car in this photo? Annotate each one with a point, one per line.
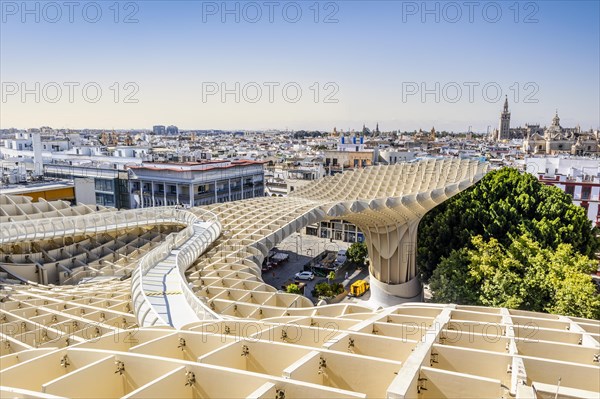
(305, 276)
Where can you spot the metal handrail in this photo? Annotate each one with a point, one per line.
(88, 224)
(189, 252)
(188, 255)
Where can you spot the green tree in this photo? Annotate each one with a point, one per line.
(524, 275)
(450, 282)
(357, 253)
(293, 289)
(327, 290)
(331, 276)
(504, 204)
(575, 296)
(322, 290)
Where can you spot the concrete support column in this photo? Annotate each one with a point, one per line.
(141, 193)
(393, 268)
(152, 193)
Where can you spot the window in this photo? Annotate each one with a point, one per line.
(105, 199)
(570, 190)
(311, 231)
(585, 193)
(104, 185)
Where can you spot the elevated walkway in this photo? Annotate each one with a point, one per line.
(160, 292)
(162, 285)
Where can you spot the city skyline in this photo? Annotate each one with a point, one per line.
(358, 64)
(355, 129)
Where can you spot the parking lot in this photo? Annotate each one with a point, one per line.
(301, 249)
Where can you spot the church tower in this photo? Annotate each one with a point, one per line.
(504, 129)
(556, 120)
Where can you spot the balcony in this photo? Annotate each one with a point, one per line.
(205, 194)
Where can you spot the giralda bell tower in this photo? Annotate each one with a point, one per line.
(504, 129)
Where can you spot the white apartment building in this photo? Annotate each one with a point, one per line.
(579, 177)
(284, 179)
(23, 141)
(391, 156)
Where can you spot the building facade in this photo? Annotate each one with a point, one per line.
(195, 184)
(283, 179)
(578, 177)
(350, 154)
(339, 230)
(159, 129)
(172, 130)
(109, 186)
(559, 140)
(550, 140)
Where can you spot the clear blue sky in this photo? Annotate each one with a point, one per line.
(373, 54)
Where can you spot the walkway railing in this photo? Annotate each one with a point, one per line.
(209, 231)
(193, 240)
(203, 226)
(94, 223)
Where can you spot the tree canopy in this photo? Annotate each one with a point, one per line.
(513, 242)
(504, 204)
(293, 289)
(521, 276)
(357, 253)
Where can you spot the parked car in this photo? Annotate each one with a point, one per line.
(305, 276)
(341, 257)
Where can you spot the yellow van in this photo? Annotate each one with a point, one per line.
(358, 288)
